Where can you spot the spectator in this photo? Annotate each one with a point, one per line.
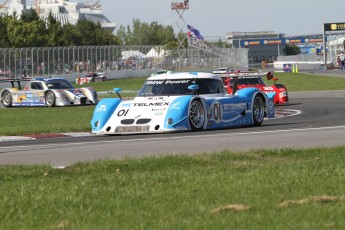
(342, 61)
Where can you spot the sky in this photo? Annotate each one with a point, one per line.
(217, 17)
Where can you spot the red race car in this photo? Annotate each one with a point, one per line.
(239, 80)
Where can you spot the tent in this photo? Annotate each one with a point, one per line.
(132, 54)
(152, 53)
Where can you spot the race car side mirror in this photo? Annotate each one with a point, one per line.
(269, 75)
(194, 88)
(117, 91)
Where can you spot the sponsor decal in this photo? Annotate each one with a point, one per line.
(177, 82)
(122, 112)
(175, 105)
(126, 105)
(268, 88)
(217, 111)
(158, 109)
(241, 106)
(167, 82)
(151, 104)
(102, 108)
(156, 98)
(154, 82)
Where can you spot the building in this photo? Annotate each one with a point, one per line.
(267, 45)
(263, 45)
(64, 11)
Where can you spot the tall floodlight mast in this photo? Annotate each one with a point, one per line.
(180, 8)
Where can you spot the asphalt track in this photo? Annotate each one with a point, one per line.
(319, 122)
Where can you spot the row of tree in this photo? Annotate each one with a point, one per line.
(30, 30)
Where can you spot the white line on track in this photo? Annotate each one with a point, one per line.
(178, 137)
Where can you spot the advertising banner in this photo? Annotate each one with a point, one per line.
(334, 26)
(282, 41)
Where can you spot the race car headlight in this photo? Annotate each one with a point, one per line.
(283, 94)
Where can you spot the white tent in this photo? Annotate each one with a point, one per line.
(152, 53)
(132, 54)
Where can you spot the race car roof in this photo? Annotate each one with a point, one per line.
(48, 79)
(184, 75)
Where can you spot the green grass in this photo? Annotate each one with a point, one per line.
(21, 121)
(286, 189)
(124, 83)
(308, 82)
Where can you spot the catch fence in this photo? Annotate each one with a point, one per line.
(49, 61)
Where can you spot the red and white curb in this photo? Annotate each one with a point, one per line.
(41, 136)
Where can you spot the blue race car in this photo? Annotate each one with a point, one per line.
(188, 101)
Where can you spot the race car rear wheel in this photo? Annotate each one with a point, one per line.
(258, 110)
(196, 115)
(7, 99)
(50, 99)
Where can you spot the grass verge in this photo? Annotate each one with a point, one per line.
(298, 82)
(22, 121)
(285, 189)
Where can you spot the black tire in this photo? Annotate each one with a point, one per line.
(7, 99)
(258, 110)
(197, 116)
(50, 99)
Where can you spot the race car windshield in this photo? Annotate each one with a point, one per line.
(59, 85)
(177, 87)
(246, 81)
(249, 81)
(166, 87)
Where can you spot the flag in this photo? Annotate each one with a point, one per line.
(195, 32)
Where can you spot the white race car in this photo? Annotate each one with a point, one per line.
(182, 102)
(222, 70)
(48, 92)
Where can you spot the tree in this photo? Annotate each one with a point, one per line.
(91, 33)
(70, 35)
(26, 34)
(122, 34)
(29, 16)
(4, 40)
(291, 50)
(54, 31)
(146, 34)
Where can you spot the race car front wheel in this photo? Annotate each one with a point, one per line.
(258, 110)
(196, 115)
(7, 99)
(50, 99)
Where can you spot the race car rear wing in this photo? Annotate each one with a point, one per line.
(13, 80)
(268, 75)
